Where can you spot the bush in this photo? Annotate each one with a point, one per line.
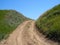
(49, 23)
(9, 20)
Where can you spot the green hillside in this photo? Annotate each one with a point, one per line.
(49, 23)
(9, 20)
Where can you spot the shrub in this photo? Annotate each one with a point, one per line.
(49, 23)
(9, 20)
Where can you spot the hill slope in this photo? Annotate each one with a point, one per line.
(49, 23)
(9, 20)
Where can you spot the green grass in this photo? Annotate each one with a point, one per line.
(49, 23)
(9, 20)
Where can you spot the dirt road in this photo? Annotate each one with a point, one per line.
(26, 34)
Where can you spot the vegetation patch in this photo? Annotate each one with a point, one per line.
(49, 23)
(9, 20)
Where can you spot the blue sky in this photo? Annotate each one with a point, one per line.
(30, 8)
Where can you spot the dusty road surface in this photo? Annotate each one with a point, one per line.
(26, 34)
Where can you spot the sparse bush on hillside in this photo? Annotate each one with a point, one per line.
(49, 23)
(9, 20)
